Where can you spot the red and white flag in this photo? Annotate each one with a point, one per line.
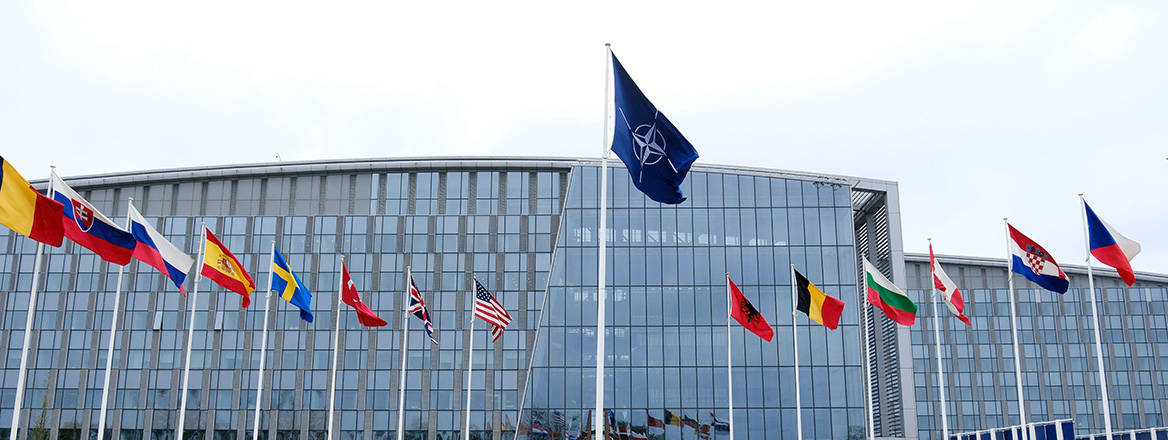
(351, 297)
(948, 288)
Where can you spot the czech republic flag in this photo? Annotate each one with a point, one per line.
(1109, 247)
(86, 226)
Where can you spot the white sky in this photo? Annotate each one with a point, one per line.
(980, 110)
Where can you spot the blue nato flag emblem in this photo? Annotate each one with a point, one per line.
(655, 152)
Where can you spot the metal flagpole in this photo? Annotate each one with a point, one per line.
(470, 356)
(1014, 331)
(336, 340)
(401, 394)
(109, 356)
(1095, 321)
(602, 235)
(182, 409)
(32, 298)
(729, 362)
(795, 334)
(937, 336)
(255, 427)
(864, 307)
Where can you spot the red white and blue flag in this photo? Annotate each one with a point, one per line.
(154, 249)
(89, 228)
(418, 308)
(1032, 261)
(489, 309)
(1110, 247)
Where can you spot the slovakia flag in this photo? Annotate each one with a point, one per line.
(88, 227)
(154, 249)
(1033, 262)
(1109, 247)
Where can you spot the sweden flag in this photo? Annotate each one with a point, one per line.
(286, 284)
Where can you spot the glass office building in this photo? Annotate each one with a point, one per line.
(528, 229)
(1059, 368)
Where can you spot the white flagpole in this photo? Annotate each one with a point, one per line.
(729, 361)
(864, 307)
(1095, 320)
(336, 350)
(182, 409)
(470, 356)
(602, 235)
(255, 427)
(795, 337)
(109, 356)
(1014, 331)
(401, 394)
(937, 337)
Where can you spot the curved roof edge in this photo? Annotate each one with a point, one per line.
(1001, 262)
(434, 162)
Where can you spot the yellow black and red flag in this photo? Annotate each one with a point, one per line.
(818, 306)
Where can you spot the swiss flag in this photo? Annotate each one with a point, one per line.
(746, 314)
(350, 296)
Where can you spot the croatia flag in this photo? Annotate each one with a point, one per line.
(154, 249)
(1032, 261)
(88, 227)
(1110, 247)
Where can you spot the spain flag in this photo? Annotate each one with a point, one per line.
(26, 211)
(221, 266)
(818, 306)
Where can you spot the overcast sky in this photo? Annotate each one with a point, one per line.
(980, 110)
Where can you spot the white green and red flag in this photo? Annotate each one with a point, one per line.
(887, 297)
(948, 289)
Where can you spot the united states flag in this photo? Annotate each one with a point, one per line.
(418, 308)
(491, 310)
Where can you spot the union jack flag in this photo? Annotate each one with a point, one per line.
(418, 308)
(491, 310)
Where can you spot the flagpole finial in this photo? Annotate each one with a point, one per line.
(607, 44)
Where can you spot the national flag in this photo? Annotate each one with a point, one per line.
(948, 289)
(654, 422)
(1033, 261)
(351, 297)
(745, 313)
(685, 420)
(887, 297)
(1110, 247)
(86, 226)
(418, 309)
(489, 309)
(672, 419)
(634, 435)
(657, 155)
(29, 213)
(286, 284)
(221, 266)
(719, 425)
(818, 306)
(154, 249)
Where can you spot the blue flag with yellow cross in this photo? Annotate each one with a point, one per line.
(286, 284)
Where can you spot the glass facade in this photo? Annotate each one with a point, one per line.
(523, 227)
(1059, 368)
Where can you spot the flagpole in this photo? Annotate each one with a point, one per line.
(32, 297)
(109, 356)
(255, 430)
(937, 337)
(336, 341)
(795, 334)
(401, 394)
(729, 361)
(1014, 331)
(470, 357)
(182, 409)
(864, 308)
(1095, 321)
(602, 235)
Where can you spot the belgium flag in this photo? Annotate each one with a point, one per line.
(817, 305)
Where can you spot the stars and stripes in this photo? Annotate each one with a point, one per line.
(418, 308)
(488, 308)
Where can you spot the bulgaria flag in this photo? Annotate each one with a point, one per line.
(948, 289)
(887, 297)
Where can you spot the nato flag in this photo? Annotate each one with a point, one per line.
(657, 155)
